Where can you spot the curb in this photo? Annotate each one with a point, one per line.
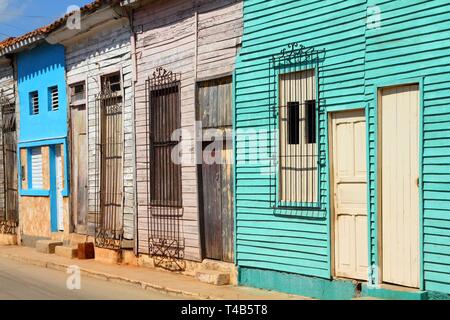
(112, 278)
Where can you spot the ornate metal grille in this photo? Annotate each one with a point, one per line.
(295, 111)
(164, 198)
(9, 217)
(109, 165)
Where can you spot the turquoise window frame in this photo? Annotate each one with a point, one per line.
(30, 192)
(292, 206)
(376, 89)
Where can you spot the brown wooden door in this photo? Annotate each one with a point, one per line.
(218, 217)
(214, 111)
(79, 181)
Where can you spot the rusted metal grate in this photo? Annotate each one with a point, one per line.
(109, 165)
(9, 217)
(295, 106)
(164, 197)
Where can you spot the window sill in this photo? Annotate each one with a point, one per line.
(35, 193)
(309, 211)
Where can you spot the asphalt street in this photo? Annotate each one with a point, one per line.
(25, 282)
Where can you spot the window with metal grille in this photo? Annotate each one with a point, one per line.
(164, 173)
(295, 109)
(298, 157)
(78, 93)
(53, 98)
(109, 198)
(34, 102)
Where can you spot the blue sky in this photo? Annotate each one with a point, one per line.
(21, 16)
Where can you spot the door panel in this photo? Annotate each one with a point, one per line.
(79, 179)
(214, 101)
(218, 217)
(399, 185)
(348, 150)
(212, 199)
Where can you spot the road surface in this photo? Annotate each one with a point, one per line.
(26, 282)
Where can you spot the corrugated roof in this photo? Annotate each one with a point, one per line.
(40, 33)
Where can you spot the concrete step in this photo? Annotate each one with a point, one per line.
(107, 255)
(47, 246)
(66, 252)
(214, 277)
(224, 267)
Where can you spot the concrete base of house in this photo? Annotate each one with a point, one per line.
(30, 241)
(8, 239)
(108, 256)
(297, 284)
(390, 292)
(207, 269)
(326, 289)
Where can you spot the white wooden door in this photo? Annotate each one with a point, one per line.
(348, 151)
(400, 185)
(59, 188)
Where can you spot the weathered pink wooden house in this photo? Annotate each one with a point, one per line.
(184, 55)
(101, 124)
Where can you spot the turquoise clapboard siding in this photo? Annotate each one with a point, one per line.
(411, 45)
(287, 240)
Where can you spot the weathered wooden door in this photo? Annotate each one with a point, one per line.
(10, 164)
(218, 220)
(214, 111)
(400, 185)
(348, 149)
(79, 188)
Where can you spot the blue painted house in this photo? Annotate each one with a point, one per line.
(342, 148)
(43, 165)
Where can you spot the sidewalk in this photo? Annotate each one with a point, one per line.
(146, 278)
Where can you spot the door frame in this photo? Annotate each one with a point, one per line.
(378, 254)
(331, 207)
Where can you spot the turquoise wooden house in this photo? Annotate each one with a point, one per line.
(342, 144)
